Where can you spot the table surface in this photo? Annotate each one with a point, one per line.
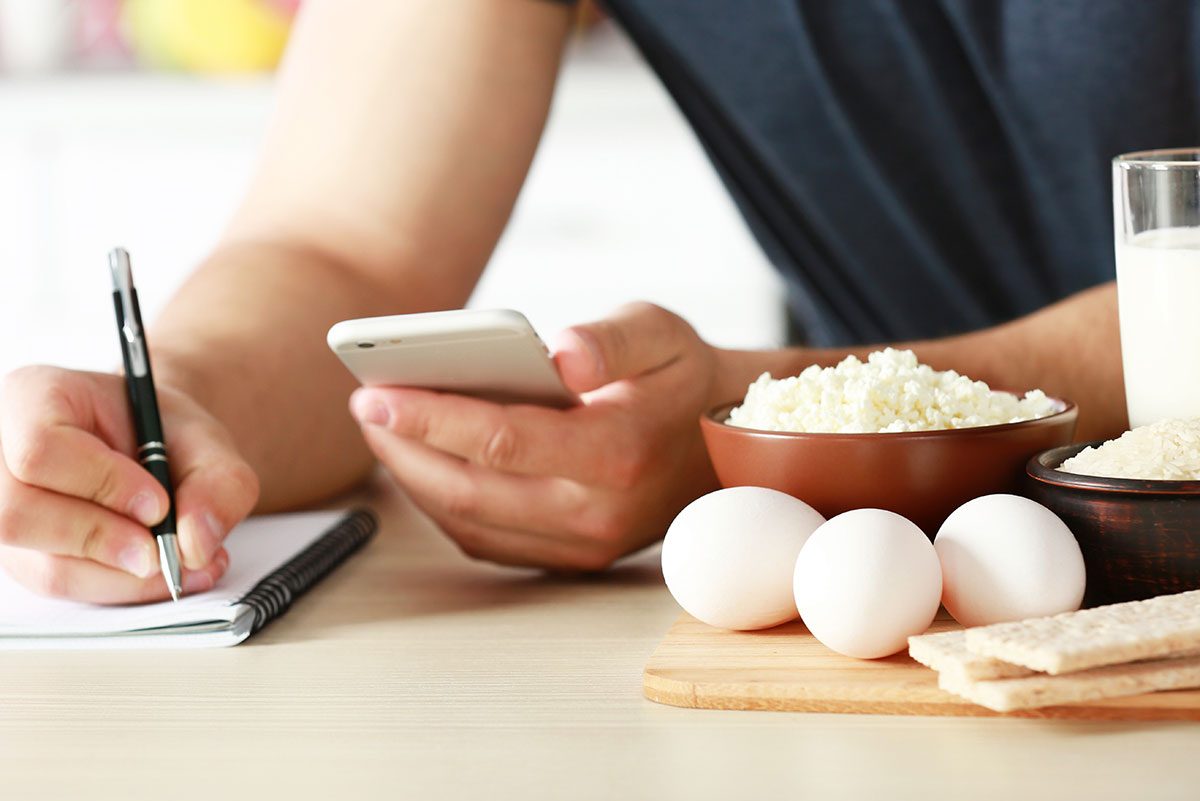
(412, 672)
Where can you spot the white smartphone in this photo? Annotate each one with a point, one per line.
(493, 354)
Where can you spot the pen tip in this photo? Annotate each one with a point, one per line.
(168, 557)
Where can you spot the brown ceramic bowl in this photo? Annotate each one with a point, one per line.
(923, 475)
(1139, 538)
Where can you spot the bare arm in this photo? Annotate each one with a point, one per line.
(1071, 349)
(402, 133)
(401, 137)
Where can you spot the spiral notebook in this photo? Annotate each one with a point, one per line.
(273, 559)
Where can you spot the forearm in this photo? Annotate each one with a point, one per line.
(245, 337)
(399, 141)
(1071, 349)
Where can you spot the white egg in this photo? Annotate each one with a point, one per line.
(1004, 558)
(728, 556)
(867, 580)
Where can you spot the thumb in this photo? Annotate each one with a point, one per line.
(637, 338)
(215, 488)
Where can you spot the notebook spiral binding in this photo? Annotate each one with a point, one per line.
(272, 596)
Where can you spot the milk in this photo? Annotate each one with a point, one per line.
(1158, 289)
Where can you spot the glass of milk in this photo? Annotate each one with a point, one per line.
(1156, 218)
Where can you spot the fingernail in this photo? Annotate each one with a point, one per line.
(211, 534)
(144, 508)
(197, 581)
(593, 349)
(136, 559)
(371, 412)
(205, 534)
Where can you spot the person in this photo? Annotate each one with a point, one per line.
(927, 172)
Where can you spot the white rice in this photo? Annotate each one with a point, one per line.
(891, 392)
(1168, 450)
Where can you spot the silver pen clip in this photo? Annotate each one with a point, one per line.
(122, 277)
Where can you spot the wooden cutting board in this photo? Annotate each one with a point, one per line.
(786, 669)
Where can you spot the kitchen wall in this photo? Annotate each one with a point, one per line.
(621, 204)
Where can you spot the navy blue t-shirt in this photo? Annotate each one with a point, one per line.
(917, 168)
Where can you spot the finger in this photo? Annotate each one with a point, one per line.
(583, 444)
(215, 488)
(453, 489)
(638, 338)
(46, 435)
(82, 580)
(41, 520)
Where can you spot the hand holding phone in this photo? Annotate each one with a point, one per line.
(529, 485)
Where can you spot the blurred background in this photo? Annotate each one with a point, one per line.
(135, 123)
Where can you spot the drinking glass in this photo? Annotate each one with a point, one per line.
(1156, 221)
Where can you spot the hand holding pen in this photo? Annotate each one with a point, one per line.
(76, 507)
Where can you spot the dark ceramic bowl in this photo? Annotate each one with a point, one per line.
(1139, 538)
(923, 475)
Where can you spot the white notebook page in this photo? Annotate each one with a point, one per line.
(257, 547)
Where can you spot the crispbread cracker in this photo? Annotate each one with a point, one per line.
(946, 652)
(1007, 695)
(1106, 635)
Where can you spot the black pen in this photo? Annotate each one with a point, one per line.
(152, 448)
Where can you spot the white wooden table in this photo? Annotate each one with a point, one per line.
(415, 673)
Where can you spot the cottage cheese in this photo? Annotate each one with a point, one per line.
(891, 392)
